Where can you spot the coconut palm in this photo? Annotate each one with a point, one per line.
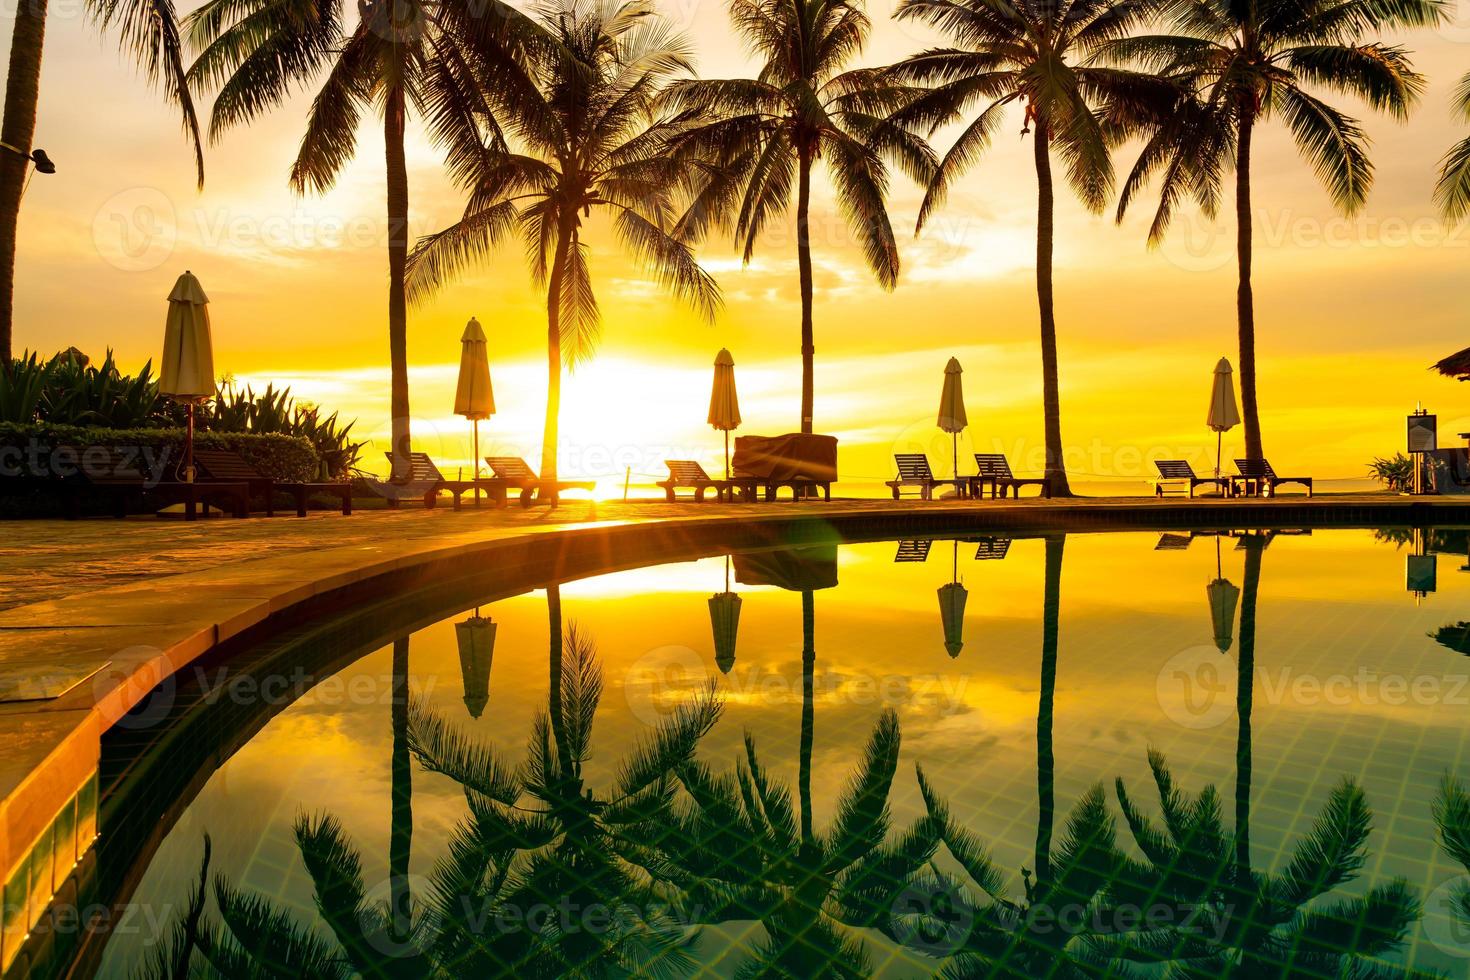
(401, 56)
(592, 140)
(538, 837)
(1244, 64)
(149, 33)
(805, 104)
(1033, 54)
(1248, 923)
(1452, 825)
(1452, 193)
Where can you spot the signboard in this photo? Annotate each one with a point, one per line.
(1423, 436)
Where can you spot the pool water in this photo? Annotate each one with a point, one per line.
(1206, 754)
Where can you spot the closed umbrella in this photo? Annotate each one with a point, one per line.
(952, 408)
(724, 621)
(476, 639)
(474, 399)
(1223, 596)
(952, 599)
(724, 406)
(187, 371)
(1224, 415)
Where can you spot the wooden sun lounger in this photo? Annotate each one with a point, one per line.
(517, 474)
(219, 465)
(913, 550)
(425, 480)
(914, 471)
(995, 469)
(114, 471)
(687, 474)
(1256, 476)
(1177, 476)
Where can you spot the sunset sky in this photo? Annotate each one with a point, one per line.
(1350, 312)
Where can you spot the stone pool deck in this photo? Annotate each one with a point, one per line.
(98, 612)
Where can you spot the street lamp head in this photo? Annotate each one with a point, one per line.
(43, 162)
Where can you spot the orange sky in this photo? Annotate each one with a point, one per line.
(1350, 311)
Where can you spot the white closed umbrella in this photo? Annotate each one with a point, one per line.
(474, 399)
(952, 417)
(187, 371)
(724, 406)
(1224, 415)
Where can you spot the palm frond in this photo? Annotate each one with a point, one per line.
(442, 747)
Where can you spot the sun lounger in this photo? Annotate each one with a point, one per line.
(687, 474)
(804, 462)
(222, 465)
(425, 481)
(995, 469)
(913, 550)
(914, 471)
(1257, 477)
(992, 549)
(516, 474)
(1177, 476)
(114, 471)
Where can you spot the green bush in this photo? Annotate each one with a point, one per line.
(1396, 473)
(280, 457)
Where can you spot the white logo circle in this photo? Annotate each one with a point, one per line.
(136, 230)
(661, 680)
(1442, 923)
(1196, 687)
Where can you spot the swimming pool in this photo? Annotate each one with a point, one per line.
(1237, 752)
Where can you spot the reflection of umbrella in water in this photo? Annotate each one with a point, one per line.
(1223, 597)
(952, 608)
(476, 639)
(724, 622)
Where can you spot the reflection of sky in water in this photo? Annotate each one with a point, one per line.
(1347, 683)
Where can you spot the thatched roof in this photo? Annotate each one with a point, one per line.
(1455, 366)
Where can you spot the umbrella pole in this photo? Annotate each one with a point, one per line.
(476, 423)
(1219, 441)
(956, 458)
(727, 454)
(189, 446)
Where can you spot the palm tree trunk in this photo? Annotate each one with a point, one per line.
(400, 836)
(808, 719)
(22, 90)
(394, 117)
(1244, 696)
(1056, 470)
(1245, 302)
(549, 433)
(1046, 804)
(804, 265)
(554, 658)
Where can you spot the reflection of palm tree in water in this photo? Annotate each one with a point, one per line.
(1228, 919)
(400, 841)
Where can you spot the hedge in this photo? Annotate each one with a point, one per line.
(279, 457)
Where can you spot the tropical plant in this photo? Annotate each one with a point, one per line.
(1033, 54)
(148, 31)
(1396, 472)
(1241, 65)
(1452, 827)
(805, 104)
(593, 141)
(1452, 193)
(401, 55)
(537, 836)
(1249, 922)
(276, 411)
(21, 387)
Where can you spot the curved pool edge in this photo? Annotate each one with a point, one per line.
(128, 639)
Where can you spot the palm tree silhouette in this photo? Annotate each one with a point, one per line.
(594, 140)
(805, 104)
(1452, 824)
(1237, 66)
(1452, 193)
(1032, 53)
(402, 56)
(572, 864)
(149, 32)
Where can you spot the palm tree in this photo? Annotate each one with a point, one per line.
(1452, 825)
(804, 104)
(592, 138)
(401, 55)
(150, 34)
(1240, 64)
(1250, 922)
(1453, 190)
(538, 837)
(1032, 53)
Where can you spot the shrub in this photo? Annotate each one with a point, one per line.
(1396, 473)
(280, 457)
